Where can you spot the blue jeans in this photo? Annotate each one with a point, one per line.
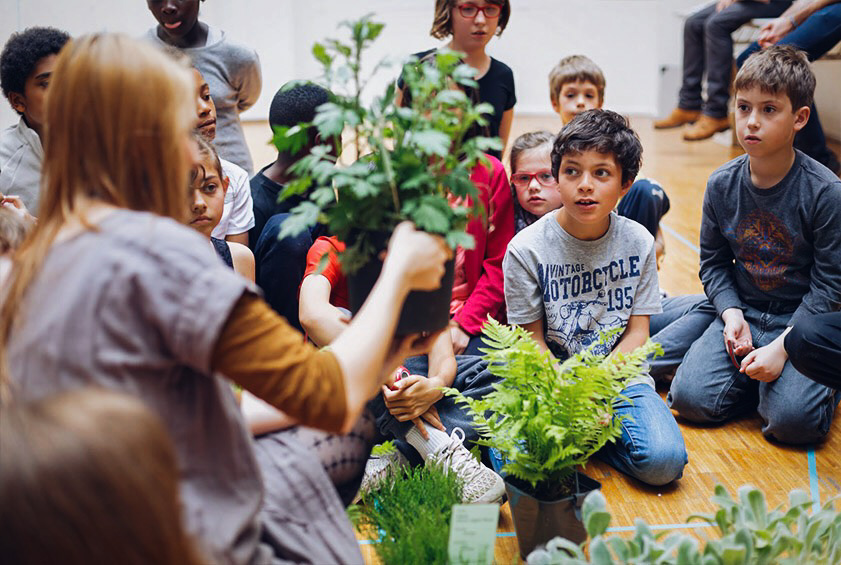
(817, 35)
(651, 446)
(708, 47)
(708, 388)
(684, 319)
(472, 379)
(646, 203)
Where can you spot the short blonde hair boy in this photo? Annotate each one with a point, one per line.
(575, 68)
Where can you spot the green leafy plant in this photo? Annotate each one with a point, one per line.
(411, 510)
(547, 418)
(419, 155)
(748, 534)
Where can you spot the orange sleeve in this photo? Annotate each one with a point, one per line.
(261, 352)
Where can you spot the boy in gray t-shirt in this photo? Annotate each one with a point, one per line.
(582, 270)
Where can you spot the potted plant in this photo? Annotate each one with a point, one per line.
(546, 419)
(414, 163)
(411, 511)
(747, 533)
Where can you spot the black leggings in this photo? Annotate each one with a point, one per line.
(814, 348)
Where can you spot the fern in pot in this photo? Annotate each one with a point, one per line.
(546, 419)
(415, 164)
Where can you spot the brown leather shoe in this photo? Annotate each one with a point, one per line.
(705, 127)
(677, 118)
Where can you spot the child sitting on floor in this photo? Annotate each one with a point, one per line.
(577, 84)
(209, 185)
(26, 64)
(411, 410)
(770, 257)
(582, 270)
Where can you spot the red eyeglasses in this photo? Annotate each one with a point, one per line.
(470, 11)
(522, 180)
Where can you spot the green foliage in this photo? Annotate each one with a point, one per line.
(418, 153)
(544, 417)
(411, 510)
(748, 534)
(384, 448)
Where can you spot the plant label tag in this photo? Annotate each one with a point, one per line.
(473, 533)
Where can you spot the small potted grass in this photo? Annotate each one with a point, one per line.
(414, 164)
(547, 419)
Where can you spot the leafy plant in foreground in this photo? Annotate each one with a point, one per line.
(547, 418)
(418, 154)
(748, 534)
(411, 510)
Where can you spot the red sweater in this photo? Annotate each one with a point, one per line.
(483, 264)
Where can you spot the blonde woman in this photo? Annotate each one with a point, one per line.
(112, 290)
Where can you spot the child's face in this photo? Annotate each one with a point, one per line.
(472, 33)
(205, 109)
(208, 197)
(31, 103)
(766, 122)
(537, 190)
(176, 17)
(574, 98)
(590, 184)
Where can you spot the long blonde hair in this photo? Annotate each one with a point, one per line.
(118, 116)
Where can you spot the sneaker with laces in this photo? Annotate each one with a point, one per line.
(379, 467)
(480, 484)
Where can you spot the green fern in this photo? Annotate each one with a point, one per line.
(548, 418)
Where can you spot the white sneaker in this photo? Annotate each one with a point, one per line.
(481, 485)
(379, 467)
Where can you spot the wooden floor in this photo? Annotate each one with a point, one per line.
(734, 454)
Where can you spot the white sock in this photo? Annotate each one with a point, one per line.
(426, 447)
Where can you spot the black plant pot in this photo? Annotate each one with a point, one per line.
(426, 311)
(538, 521)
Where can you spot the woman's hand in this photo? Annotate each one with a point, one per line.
(774, 31)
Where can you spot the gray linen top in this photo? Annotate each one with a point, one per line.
(138, 307)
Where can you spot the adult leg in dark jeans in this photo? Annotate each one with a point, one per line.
(817, 35)
(814, 348)
(718, 46)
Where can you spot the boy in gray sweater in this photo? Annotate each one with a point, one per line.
(770, 256)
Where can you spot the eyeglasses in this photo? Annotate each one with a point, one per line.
(470, 11)
(523, 180)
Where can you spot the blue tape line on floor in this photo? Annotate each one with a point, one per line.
(680, 238)
(813, 481)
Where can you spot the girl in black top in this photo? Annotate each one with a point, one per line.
(472, 24)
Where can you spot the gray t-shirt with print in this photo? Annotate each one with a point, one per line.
(581, 288)
(138, 307)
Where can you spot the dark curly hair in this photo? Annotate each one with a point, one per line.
(292, 106)
(22, 52)
(603, 131)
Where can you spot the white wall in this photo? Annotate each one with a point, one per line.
(629, 39)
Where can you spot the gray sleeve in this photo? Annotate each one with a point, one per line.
(647, 300)
(717, 258)
(825, 278)
(523, 296)
(247, 79)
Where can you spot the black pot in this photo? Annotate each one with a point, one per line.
(423, 311)
(538, 521)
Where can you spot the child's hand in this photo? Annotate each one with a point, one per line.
(416, 258)
(413, 396)
(460, 338)
(766, 363)
(403, 347)
(430, 416)
(16, 205)
(736, 332)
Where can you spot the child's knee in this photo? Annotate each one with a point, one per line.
(691, 401)
(795, 425)
(660, 463)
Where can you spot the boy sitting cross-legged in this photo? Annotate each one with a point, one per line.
(582, 270)
(770, 257)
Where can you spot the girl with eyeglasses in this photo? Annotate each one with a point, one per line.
(471, 24)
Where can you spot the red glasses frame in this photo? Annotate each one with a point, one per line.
(523, 182)
(484, 9)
